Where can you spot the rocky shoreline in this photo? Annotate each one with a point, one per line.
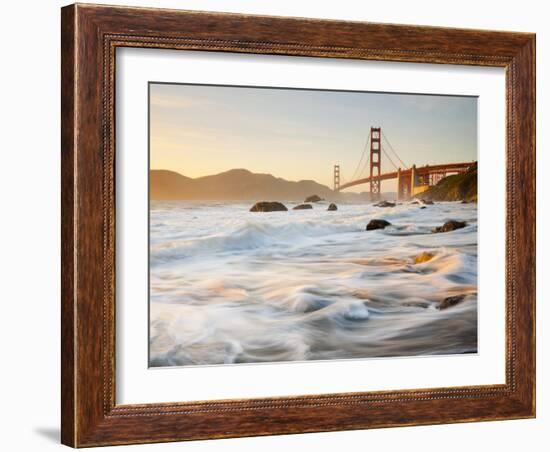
(458, 187)
(380, 224)
(374, 224)
(276, 206)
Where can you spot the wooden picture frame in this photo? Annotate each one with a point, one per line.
(90, 36)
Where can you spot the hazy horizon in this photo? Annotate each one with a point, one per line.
(201, 130)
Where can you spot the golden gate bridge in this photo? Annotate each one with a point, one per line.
(411, 180)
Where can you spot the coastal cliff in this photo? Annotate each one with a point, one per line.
(458, 187)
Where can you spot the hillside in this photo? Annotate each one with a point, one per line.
(239, 184)
(457, 187)
(167, 184)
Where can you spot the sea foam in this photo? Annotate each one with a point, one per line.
(231, 286)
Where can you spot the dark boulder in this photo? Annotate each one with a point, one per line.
(427, 201)
(377, 224)
(302, 207)
(450, 225)
(313, 198)
(450, 301)
(268, 206)
(423, 207)
(332, 206)
(384, 204)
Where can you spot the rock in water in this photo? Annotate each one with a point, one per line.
(449, 226)
(415, 202)
(377, 224)
(332, 206)
(423, 207)
(302, 207)
(385, 204)
(268, 206)
(450, 301)
(313, 198)
(427, 201)
(423, 257)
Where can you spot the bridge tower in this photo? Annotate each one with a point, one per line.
(336, 177)
(375, 153)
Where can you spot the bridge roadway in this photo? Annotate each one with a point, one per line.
(420, 171)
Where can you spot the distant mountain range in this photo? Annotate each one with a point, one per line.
(241, 185)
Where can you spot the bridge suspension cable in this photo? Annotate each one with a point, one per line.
(363, 153)
(393, 150)
(360, 170)
(389, 158)
(367, 161)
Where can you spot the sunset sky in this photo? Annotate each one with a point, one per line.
(301, 134)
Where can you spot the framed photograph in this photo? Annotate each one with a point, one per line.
(283, 225)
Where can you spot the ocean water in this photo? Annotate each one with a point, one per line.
(232, 286)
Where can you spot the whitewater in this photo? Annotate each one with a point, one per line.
(230, 286)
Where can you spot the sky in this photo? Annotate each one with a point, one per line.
(198, 130)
